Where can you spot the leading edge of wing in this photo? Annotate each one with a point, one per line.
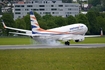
(17, 29)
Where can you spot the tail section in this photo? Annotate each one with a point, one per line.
(34, 23)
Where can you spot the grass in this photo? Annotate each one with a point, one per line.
(14, 40)
(91, 40)
(27, 40)
(53, 59)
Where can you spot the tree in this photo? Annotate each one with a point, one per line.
(8, 19)
(1, 28)
(43, 24)
(103, 4)
(93, 23)
(81, 18)
(90, 1)
(97, 5)
(94, 2)
(0, 10)
(102, 14)
(27, 22)
(67, 1)
(51, 24)
(97, 8)
(50, 21)
(37, 16)
(60, 21)
(71, 20)
(47, 17)
(20, 23)
(101, 22)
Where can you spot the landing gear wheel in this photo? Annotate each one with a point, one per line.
(67, 43)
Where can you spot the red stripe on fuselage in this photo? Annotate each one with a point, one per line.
(42, 30)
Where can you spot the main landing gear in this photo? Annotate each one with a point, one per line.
(67, 43)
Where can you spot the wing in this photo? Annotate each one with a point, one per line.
(101, 34)
(92, 35)
(27, 32)
(13, 28)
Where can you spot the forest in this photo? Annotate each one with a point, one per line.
(94, 21)
(94, 5)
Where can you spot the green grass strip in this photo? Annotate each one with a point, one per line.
(91, 40)
(15, 40)
(28, 40)
(53, 59)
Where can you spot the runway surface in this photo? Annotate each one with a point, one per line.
(41, 46)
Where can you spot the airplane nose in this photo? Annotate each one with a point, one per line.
(85, 28)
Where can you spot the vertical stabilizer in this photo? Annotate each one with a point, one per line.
(34, 23)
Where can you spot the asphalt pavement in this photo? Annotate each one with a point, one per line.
(41, 46)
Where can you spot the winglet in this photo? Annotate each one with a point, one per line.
(3, 24)
(101, 32)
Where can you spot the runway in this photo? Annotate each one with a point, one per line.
(41, 46)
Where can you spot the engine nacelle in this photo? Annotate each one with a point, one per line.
(79, 39)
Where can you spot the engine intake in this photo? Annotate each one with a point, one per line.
(79, 39)
(76, 40)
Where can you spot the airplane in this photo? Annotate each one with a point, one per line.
(66, 33)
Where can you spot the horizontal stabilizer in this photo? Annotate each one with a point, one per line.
(26, 34)
(20, 33)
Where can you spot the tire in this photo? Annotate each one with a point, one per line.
(67, 43)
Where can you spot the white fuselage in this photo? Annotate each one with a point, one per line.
(77, 29)
(74, 32)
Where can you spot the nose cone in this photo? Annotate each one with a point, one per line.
(85, 28)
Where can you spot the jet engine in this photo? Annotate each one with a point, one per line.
(79, 39)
